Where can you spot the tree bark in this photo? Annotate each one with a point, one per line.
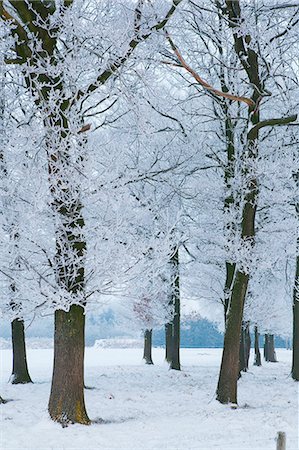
(257, 359)
(20, 374)
(66, 404)
(229, 371)
(147, 352)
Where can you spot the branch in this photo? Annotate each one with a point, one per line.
(168, 117)
(14, 61)
(18, 29)
(252, 133)
(283, 6)
(85, 128)
(289, 26)
(118, 62)
(202, 82)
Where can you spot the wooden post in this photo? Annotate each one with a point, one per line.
(281, 441)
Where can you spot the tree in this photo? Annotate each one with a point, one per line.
(10, 225)
(227, 384)
(44, 48)
(253, 64)
(295, 360)
(295, 364)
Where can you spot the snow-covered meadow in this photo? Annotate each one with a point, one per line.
(135, 406)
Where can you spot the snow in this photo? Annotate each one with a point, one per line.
(151, 407)
(118, 343)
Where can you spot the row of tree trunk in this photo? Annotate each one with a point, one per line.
(245, 345)
(20, 373)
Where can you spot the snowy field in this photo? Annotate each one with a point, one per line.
(151, 407)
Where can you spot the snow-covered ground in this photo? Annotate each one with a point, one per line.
(151, 407)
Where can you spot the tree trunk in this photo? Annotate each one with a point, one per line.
(266, 347)
(175, 345)
(230, 201)
(242, 353)
(281, 441)
(168, 341)
(257, 359)
(20, 374)
(269, 348)
(272, 353)
(245, 344)
(229, 371)
(175, 361)
(248, 344)
(295, 359)
(147, 352)
(66, 404)
(230, 271)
